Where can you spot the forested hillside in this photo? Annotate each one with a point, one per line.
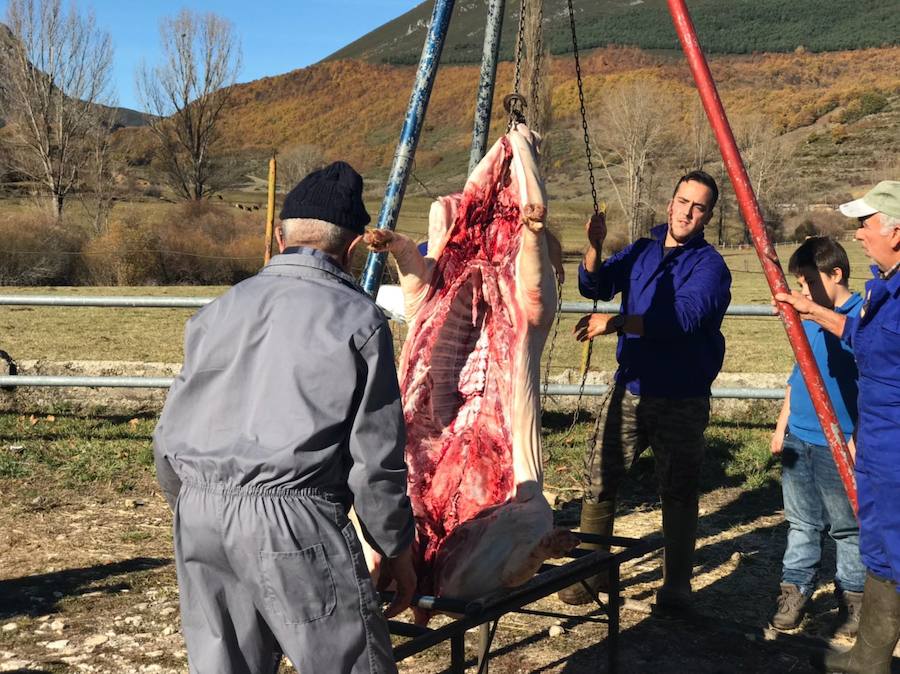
(724, 27)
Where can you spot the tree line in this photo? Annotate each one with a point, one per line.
(60, 107)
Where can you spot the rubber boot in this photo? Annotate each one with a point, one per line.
(879, 629)
(596, 518)
(680, 537)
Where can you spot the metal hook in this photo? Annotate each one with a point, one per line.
(515, 104)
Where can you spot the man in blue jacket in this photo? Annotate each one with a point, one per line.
(675, 288)
(874, 336)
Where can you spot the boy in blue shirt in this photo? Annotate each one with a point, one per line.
(815, 501)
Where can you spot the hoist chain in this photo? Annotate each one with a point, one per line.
(520, 46)
(537, 57)
(546, 378)
(586, 365)
(584, 124)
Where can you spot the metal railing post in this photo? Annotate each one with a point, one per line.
(409, 137)
(749, 206)
(485, 98)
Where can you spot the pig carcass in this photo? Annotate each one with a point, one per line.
(480, 306)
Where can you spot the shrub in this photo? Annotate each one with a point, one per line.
(818, 223)
(208, 244)
(127, 254)
(37, 249)
(863, 104)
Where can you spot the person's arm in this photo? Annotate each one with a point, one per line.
(168, 479)
(595, 229)
(376, 442)
(777, 442)
(604, 280)
(414, 269)
(832, 321)
(706, 293)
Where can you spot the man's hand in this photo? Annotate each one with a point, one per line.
(804, 306)
(832, 321)
(400, 570)
(593, 325)
(595, 228)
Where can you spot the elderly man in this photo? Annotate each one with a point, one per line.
(875, 338)
(675, 289)
(286, 412)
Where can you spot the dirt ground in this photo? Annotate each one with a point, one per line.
(87, 584)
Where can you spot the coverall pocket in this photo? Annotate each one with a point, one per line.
(298, 584)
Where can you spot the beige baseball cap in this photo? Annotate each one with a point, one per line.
(883, 198)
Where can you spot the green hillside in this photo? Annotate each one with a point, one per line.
(724, 27)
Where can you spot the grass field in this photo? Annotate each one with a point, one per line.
(154, 335)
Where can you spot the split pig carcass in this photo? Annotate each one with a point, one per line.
(480, 306)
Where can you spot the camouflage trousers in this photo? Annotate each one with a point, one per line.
(672, 427)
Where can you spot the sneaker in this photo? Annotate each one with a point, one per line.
(849, 607)
(791, 605)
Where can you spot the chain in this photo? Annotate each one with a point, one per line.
(520, 46)
(584, 124)
(590, 167)
(553, 338)
(536, 58)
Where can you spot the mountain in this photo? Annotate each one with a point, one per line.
(123, 117)
(354, 110)
(724, 27)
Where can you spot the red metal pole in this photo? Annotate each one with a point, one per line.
(764, 249)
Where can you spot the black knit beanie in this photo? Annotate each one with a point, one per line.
(332, 194)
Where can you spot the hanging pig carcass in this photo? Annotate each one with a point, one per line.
(480, 306)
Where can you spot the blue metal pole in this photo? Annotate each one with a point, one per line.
(485, 98)
(409, 137)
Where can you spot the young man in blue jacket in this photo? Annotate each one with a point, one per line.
(675, 288)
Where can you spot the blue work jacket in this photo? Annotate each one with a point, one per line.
(874, 336)
(682, 297)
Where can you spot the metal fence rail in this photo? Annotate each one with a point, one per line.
(165, 382)
(147, 302)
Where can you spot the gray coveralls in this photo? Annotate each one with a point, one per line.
(286, 411)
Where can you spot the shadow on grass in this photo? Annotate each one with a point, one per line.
(65, 426)
(40, 594)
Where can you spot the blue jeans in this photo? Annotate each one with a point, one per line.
(815, 502)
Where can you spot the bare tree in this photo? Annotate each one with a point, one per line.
(634, 127)
(101, 178)
(187, 93)
(296, 163)
(701, 144)
(765, 156)
(57, 72)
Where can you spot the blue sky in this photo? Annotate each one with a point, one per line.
(276, 37)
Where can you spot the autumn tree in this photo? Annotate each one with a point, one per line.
(186, 94)
(56, 72)
(634, 126)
